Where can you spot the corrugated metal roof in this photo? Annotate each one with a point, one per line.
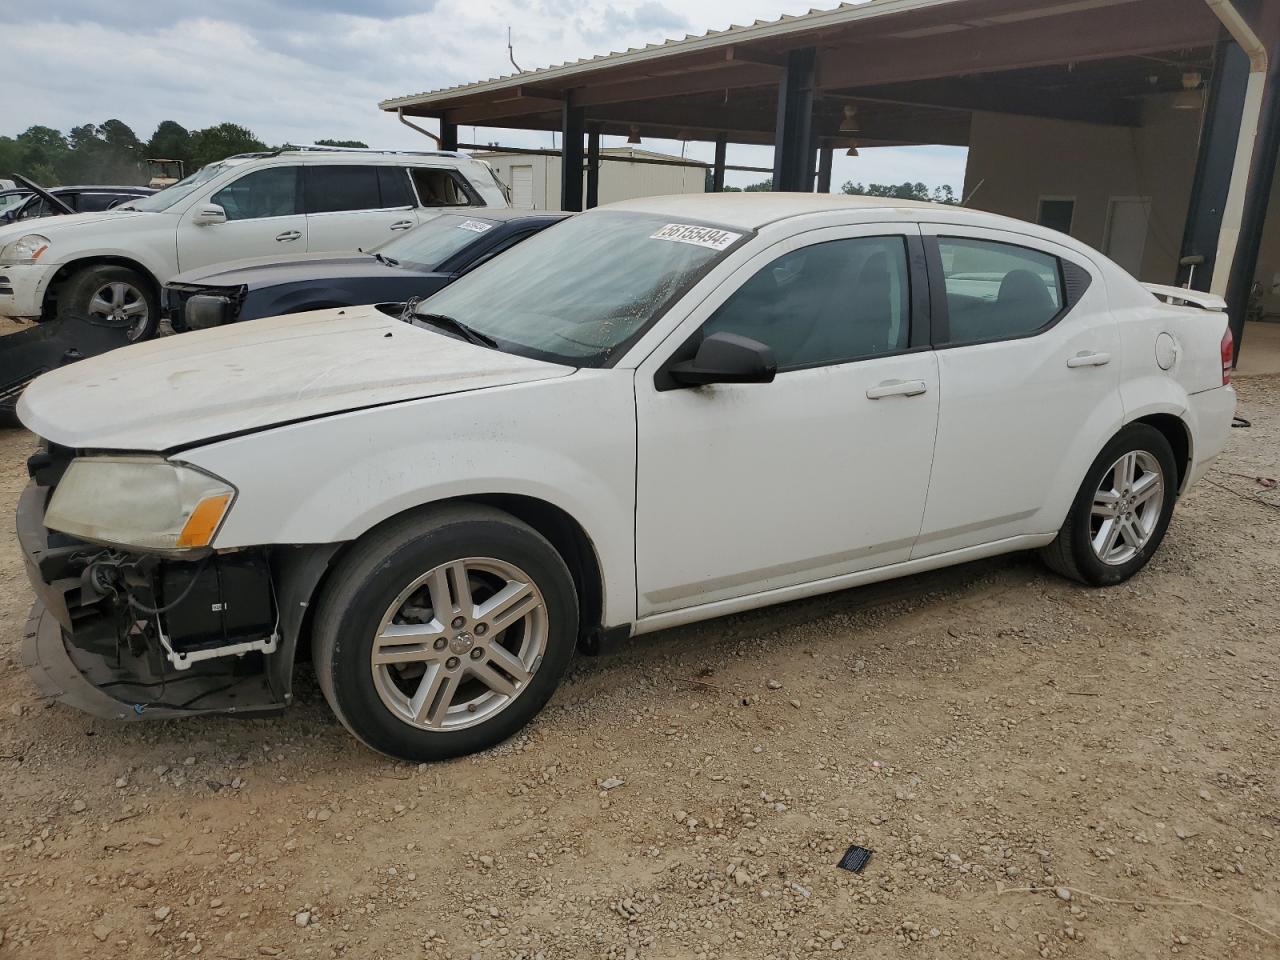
(761, 29)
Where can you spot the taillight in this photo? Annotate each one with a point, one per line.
(1228, 354)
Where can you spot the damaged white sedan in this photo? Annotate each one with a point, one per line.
(653, 413)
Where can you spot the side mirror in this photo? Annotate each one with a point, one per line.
(208, 214)
(726, 358)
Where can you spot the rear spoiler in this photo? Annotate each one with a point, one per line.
(1181, 296)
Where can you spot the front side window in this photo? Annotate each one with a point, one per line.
(998, 291)
(272, 192)
(438, 188)
(823, 304)
(580, 292)
(331, 189)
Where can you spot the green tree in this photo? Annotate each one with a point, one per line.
(41, 151)
(342, 143)
(901, 191)
(171, 141)
(224, 140)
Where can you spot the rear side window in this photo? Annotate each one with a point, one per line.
(393, 187)
(438, 188)
(824, 304)
(346, 187)
(998, 291)
(271, 192)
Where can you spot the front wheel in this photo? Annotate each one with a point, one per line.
(442, 635)
(113, 296)
(1121, 513)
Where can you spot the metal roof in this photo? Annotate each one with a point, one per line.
(786, 24)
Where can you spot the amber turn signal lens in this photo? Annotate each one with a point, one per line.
(203, 522)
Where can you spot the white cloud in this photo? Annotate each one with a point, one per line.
(295, 71)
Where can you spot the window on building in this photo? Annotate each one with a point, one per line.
(823, 304)
(1056, 213)
(998, 291)
(270, 192)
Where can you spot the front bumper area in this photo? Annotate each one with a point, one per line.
(22, 287)
(75, 654)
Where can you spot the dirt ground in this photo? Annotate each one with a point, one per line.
(1042, 770)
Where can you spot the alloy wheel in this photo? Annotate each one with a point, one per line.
(459, 644)
(1126, 507)
(121, 302)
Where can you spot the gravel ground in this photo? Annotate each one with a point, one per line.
(1042, 770)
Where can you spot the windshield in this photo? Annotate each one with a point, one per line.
(167, 197)
(436, 240)
(581, 291)
(8, 200)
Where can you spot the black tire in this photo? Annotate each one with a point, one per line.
(1071, 553)
(78, 292)
(373, 575)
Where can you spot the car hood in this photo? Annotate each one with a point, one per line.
(182, 390)
(52, 227)
(268, 271)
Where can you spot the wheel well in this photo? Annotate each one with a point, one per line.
(563, 532)
(49, 308)
(1175, 431)
(572, 543)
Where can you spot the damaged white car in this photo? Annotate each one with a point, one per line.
(653, 413)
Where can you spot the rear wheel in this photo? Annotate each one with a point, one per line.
(442, 635)
(113, 296)
(1122, 511)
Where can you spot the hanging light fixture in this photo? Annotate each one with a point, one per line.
(850, 122)
(1189, 97)
(635, 134)
(852, 151)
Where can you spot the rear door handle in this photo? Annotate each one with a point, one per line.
(288, 235)
(896, 388)
(1087, 358)
(402, 225)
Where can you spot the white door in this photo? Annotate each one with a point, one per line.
(522, 187)
(264, 218)
(1029, 371)
(356, 206)
(743, 488)
(1126, 236)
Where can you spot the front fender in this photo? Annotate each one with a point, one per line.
(332, 479)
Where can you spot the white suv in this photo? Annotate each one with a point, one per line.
(110, 265)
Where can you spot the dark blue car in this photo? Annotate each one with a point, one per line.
(416, 264)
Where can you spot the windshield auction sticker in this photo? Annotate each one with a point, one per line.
(710, 237)
(475, 226)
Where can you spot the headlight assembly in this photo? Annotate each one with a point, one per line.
(142, 502)
(26, 249)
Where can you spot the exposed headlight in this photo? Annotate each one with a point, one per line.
(142, 502)
(26, 249)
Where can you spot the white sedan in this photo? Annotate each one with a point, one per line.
(654, 413)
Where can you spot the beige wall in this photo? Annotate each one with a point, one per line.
(618, 180)
(1013, 161)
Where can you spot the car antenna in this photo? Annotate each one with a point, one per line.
(511, 53)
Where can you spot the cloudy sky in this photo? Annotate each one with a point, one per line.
(301, 70)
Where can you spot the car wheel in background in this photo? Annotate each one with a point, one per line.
(113, 296)
(1121, 513)
(444, 633)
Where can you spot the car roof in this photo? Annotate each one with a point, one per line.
(106, 188)
(752, 210)
(506, 214)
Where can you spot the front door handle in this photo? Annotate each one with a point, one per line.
(288, 235)
(896, 388)
(402, 225)
(1087, 358)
